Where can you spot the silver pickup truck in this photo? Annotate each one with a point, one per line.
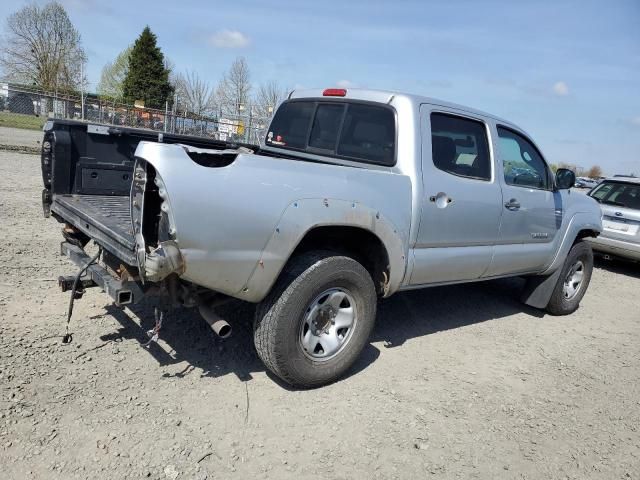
(354, 196)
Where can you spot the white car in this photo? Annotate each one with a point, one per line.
(585, 182)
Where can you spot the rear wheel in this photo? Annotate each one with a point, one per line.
(316, 320)
(573, 281)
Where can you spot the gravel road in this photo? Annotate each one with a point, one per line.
(458, 382)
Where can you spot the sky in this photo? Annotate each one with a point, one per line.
(566, 71)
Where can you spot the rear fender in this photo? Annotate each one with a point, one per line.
(236, 225)
(304, 215)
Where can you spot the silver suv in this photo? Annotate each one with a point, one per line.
(619, 199)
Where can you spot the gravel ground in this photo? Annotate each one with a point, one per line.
(458, 382)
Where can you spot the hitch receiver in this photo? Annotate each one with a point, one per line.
(66, 283)
(122, 292)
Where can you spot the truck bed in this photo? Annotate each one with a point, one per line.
(105, 218)
(87, 170)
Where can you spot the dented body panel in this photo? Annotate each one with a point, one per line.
(237, 225)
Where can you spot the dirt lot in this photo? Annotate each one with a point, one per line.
(458, 382)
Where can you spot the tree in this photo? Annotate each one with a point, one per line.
(194, 94)
(268, 97)
(554, 167)
(233, 91)
(43, 48)
(147, 78)
(594, 172)
(111, 84)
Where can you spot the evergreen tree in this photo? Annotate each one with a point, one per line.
(147, 78)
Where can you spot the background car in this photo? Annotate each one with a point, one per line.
(619, 199)
(584, 182)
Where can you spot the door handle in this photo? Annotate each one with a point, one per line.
(512, 204)
(441, 199)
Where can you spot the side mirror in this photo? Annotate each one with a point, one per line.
(565, 178)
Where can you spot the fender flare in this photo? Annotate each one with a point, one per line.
(579, 222)
(303, 215)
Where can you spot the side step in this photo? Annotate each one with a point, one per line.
(122, 293)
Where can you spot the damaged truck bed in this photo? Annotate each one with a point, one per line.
(87, 172)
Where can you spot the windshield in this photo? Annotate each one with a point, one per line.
(618, 193)
(342, 129)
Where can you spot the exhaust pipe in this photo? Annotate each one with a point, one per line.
(219, 326)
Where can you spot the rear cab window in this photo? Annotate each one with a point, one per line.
(349, 130)
(619, 194)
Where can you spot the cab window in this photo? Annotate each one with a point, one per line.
(522, 163)
(459, 146)
(357, 131)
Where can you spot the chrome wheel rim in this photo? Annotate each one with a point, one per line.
(328, 324)
(573, 280)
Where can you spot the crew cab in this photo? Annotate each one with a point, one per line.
(354, 195)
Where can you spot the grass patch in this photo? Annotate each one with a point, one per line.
(19, 120)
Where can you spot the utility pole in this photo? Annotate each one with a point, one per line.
(166, 114)
(82, 89)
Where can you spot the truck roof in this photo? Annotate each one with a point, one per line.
(386, 96)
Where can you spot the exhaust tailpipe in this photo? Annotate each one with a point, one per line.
(219, 326)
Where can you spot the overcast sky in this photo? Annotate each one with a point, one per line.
(568, 72)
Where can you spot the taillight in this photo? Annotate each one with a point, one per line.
(46, 159)
(46, 156)
(334, 92)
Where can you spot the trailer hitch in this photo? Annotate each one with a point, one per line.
(66, 284)
(68, 337)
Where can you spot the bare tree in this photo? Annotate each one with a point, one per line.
(594, 172)
(268, 97)
(194, 94)
(233, 91)
(113, 75)
(42, 47)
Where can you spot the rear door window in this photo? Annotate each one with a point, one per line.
(349, 130)
(619, 194)
(460, 146)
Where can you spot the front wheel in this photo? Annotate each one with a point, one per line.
(573, 281)
(316, 320)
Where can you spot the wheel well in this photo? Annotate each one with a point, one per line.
(586, 233)
(355, 242)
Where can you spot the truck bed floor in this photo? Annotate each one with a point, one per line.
(105, 218)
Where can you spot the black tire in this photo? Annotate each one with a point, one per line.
(279, 317)
(559, 304)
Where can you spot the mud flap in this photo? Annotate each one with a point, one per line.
(538, 290)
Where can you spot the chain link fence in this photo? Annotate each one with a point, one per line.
(25, 107)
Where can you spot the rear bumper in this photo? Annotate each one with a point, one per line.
(122, 292)
(619, 248)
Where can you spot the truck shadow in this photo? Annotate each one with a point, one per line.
(621, 267)
(404, 316)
